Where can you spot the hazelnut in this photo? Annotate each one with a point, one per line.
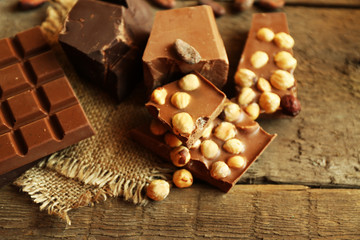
(290, 105)
(285, 60)
(263, 85)
(157, 128)
(245, 77)
(182, 178)
(219, 170)
(183, 123)
(196, 144)
(208, 130)
(269, 101)
(232, 112)
(284, 40)
(189, 82)
(172, 140)
(253, 110)
(158, 190)
(236, 162)
(225, 131)
(247, 95)
(180, 100)
(234, 146)
(259, 59)
(159, 95)
(282, 80)
(209, 149)
(265, 34)
(180, 156)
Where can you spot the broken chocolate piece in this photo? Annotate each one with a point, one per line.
(186, 52)
(197, 27)
(105, 42)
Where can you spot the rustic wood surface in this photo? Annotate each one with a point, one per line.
(320, 147)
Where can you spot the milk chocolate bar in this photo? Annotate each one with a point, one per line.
(223, 154)
(39, 112)
(195, 26)
(264, 77)
(105, 41)
(187, 106)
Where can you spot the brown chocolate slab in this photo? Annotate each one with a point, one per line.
(206, 103)
(39, 112)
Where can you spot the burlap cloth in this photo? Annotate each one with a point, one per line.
(108, 164)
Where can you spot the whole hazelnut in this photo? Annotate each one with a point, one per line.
(290, 105)
(219, 170)
(265, 34)
(263, 85)
(159, 95)
(284, 40)
(269, 101)
(234, 146)
(180, 156)
(183, 123)
(180, 100)
(231, 112)
(245, 77)
(209, 149)
(183, 178)
(225, 131)
(282, 80)
(259, 59)
(246, 96)
(285, 60)
(189, 82)
(236, 162)
(158, 190)
(253, 110)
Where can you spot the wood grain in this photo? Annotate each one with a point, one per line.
(200, 212)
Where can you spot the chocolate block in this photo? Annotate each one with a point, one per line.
(274, 76)
(203, 104)
(197, 27)
(105, 41)
(39, 112)
(253, 138)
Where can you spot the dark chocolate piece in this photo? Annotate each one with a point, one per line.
(203, 103)
(197, 27)
(267, 65)
(39, 112)
(105, 41)
(253, 138)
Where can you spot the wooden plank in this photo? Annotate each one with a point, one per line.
(246, 212)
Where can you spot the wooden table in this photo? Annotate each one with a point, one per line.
(305, 185)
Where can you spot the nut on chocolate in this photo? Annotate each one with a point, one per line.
(290, 105)
(187, 52)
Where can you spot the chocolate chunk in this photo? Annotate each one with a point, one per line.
(186, 52)
(160, 61)
(218, 9)
(198, 98)
(105, 42)
(242, 5)
(39, 112)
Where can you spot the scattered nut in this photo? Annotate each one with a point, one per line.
(290, 105)
(218, 9)
(245, 77)
(225, 131)
(196, 144)
(159, 95)
(271, 4)
(253, 110)
(269, 101)
(180, 100)
(209, 149)
(236, 162)
(234, 146)
(186, 52)
(282, 80)
(158, 190)
(285, 60)
(265, 34)
(263, 85)
(208, 130)
(259, 59)
(219, 170)
(242, 5)
(172, 140)
(157, 128)
(180, 156)
(231, 112)
(246, 96)
(183, 178)
(165, 3)
(189, 82)
(183, 123)
(284, 40)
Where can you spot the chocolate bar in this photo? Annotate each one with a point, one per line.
(195, 26)
(187, 106)
(264, 76)
(39, 112)
(105, 41)
(237, 143)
